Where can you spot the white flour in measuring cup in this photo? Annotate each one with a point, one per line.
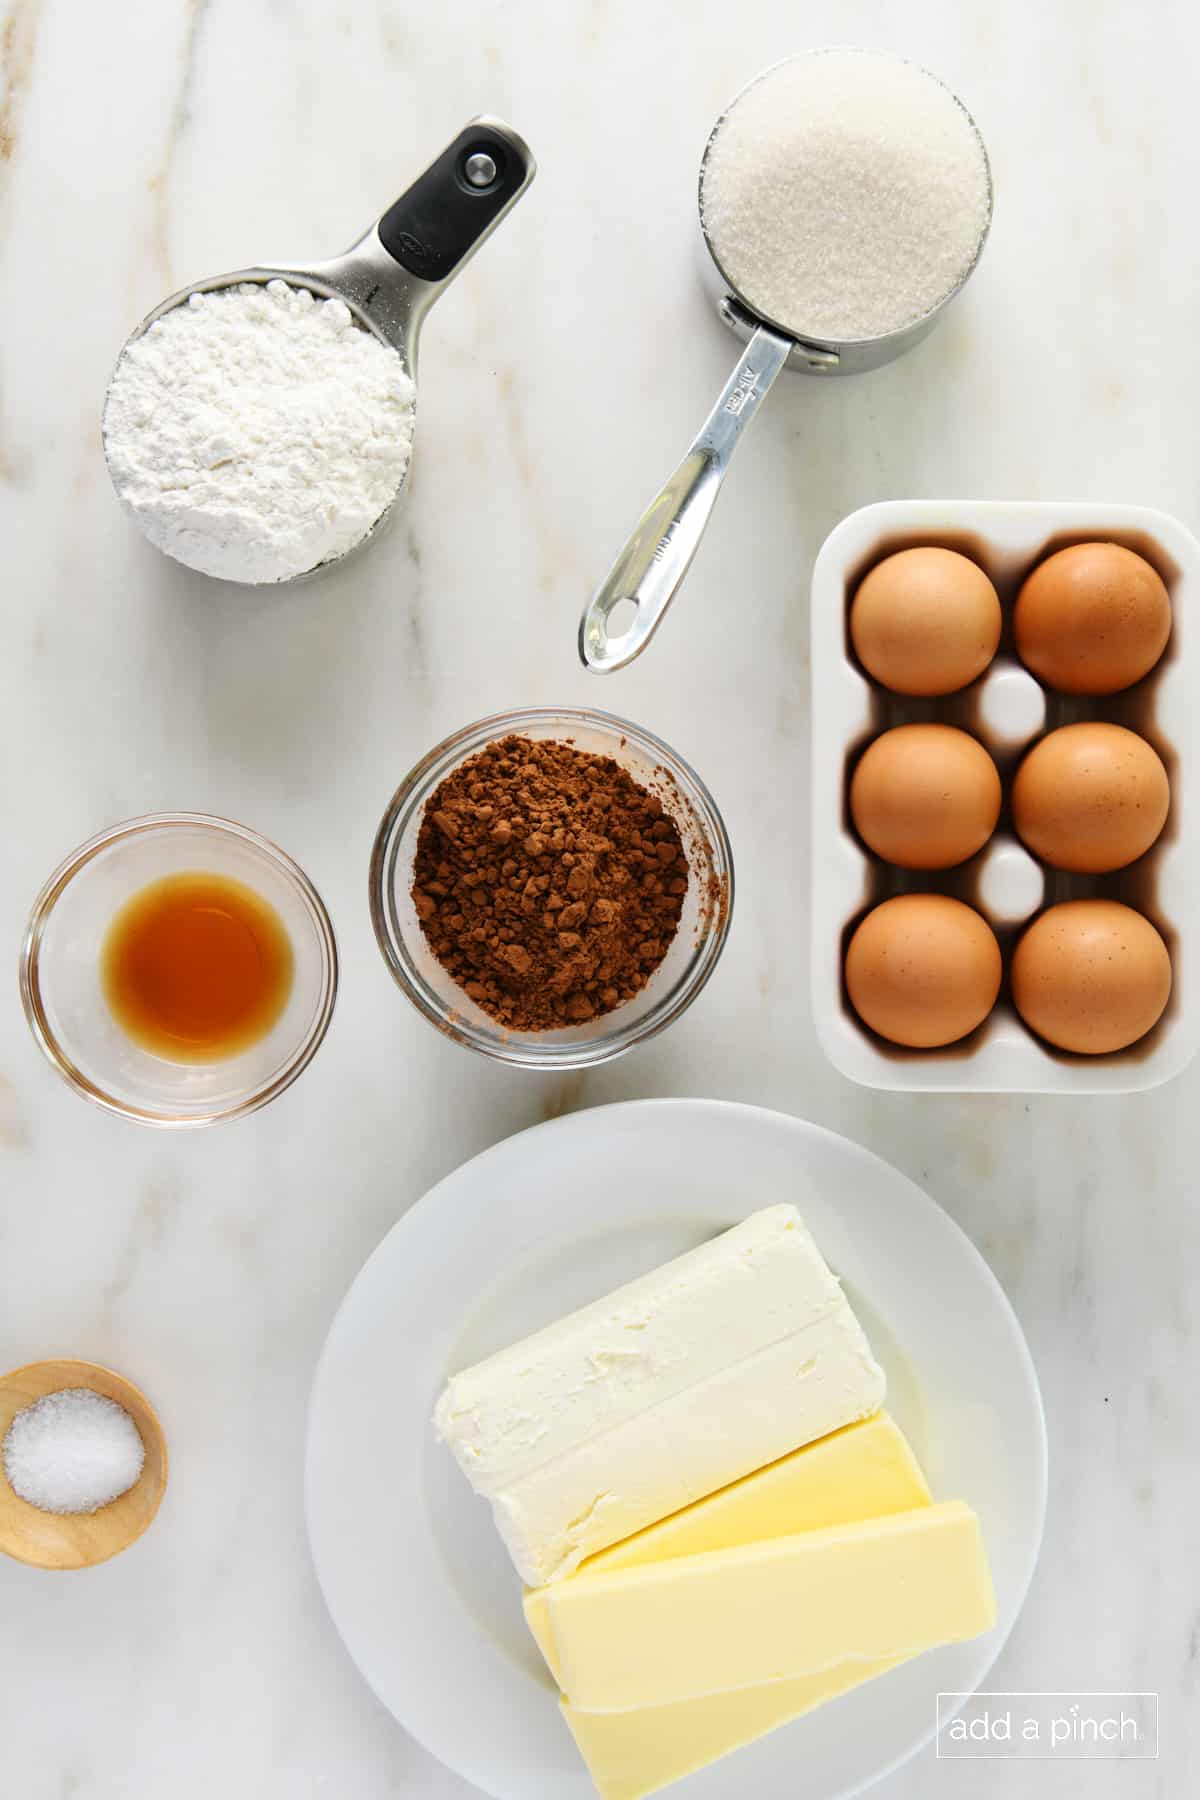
(845, 194)
(256, 431)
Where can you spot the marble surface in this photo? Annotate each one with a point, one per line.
(145, 144)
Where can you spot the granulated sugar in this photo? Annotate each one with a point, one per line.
(845, 194)
(256, 432)
(72, 1452)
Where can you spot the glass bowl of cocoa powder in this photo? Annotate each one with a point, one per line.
(552, 887)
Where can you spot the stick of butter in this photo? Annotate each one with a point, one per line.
(722, 1619)
(715, 1364)
(860, 1472)
(632, 1754)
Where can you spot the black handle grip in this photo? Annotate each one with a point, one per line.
(441, 218)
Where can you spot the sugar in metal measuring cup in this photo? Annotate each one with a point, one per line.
(651, 567)
(406, 260)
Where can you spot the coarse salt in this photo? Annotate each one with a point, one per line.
(845, 194)
(73, 1451)
(255, 432)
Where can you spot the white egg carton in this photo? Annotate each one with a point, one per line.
(1006, 708)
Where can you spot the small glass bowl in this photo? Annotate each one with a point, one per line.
(689, 962)
(61, 971)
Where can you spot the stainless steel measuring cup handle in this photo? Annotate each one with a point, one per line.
(400, 266)
(657, 557)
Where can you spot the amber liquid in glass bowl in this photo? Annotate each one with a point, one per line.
(197, 967)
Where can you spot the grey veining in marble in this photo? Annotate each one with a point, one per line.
(147, 143)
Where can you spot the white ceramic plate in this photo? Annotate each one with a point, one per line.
(412, 1570)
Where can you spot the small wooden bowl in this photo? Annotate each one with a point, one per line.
(79, 1540)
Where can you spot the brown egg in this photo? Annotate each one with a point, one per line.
(1091, 976)
(923, 970)
(925, 796)
(1090, 797)
(1092, 619)
(925, 621)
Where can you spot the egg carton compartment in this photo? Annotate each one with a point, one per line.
(1007, 709)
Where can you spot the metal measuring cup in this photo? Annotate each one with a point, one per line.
(651, 567)
(404, 261)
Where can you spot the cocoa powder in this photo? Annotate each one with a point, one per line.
(548, 882)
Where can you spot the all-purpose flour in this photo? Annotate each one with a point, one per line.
(257, 431)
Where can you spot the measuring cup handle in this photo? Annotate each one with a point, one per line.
(653, 563)
(433, 228)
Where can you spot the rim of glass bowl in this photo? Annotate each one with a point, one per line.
(410, 798)
(31, 995)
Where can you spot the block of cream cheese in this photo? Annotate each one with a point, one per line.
(860, 1472)
(791, 1606)
(673, 1386)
